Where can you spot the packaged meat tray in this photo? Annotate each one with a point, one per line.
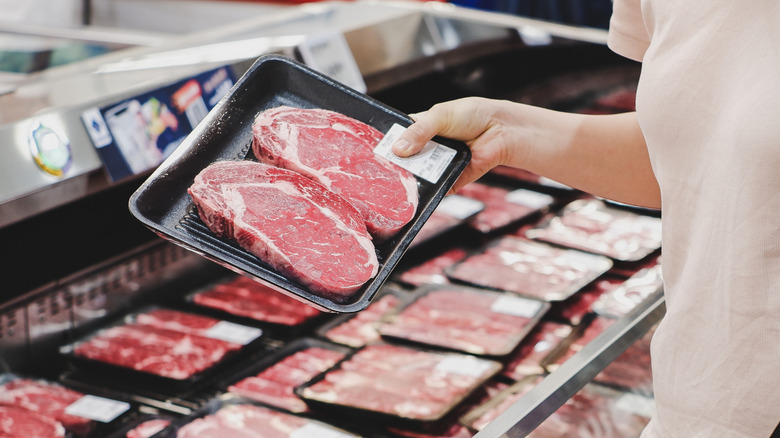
(514, 175)
(273, 380)
(360, 329)
(622, 299)
(229, 416)
(252, 302)
(575, 308)
(595, 411)
(465, 319)
(144, 426)
(543, 340)
(163, 202)
(432, 271)
(590, 225)
(398, 385)
(592, 326)
(529, 268)
(41, 408)
(160, 346)
(631, 370)
(453, 212)
(504, 207)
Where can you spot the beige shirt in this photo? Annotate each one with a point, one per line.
(709, 107)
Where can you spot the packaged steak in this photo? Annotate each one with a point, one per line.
(631, 370)
(594, 411)
(530, 268)
(359, 329)
(432, 271)
(574, 309)
(483, 414)
(622, 299)
(43, 408)
(522, 175)
(238, 418)
(587, 331)
(168, 345)
(465, 319)
(272, 381)
(527, 359)
(397, 384)
(590, 225)
(245, 298)
(453, 212)
(504, 207)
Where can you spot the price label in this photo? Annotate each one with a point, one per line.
(465, 365)
(460, 207)
(235, 333)
(529, 198)
(516, 306)
(97, 408)
(313, 429)
(534, 36)
(330, 54)
(429, 164)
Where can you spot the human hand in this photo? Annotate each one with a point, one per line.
(487, 126)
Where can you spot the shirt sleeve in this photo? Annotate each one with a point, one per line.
(628, 34)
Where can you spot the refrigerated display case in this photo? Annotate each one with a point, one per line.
(78, 261)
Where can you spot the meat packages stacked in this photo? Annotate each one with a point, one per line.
(465, 319)
(251, 421)
(386, 381)
(530, 268)
(275, 384)
(590, 225)
(503, 207)
(168, 343)
(360, 329)
(312, 206)
(247, 298)
(38, 408)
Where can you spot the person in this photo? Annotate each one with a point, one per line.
(704, 147)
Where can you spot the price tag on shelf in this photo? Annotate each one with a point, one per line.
(329, 54)
(97, 408)
(429, 164)
(235, 333)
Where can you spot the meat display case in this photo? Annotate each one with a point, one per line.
(74, 256)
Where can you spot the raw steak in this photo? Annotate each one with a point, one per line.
(245, 297)
(590, 225)
(276, 384)
(574, 309)
(290, 222)
(338, 152)
(543, 340)
(472, 321)
(594, 328)
(48, 399)
(432, 271)
(401, 381)
(530, 268)
(19, 423)
(148, 428)
(503, 207)
(155, 350)
(622, 299)
(179, 321)
(250, 421)
(360, 329)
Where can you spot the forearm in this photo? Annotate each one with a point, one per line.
(605, 155)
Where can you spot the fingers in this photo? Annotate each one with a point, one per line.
(456, 119)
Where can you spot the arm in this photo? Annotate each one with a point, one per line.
(604, 155)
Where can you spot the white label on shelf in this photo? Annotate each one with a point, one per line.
(465, 365)
(459, 207)
(97, 408)
(516, 306)
(529, 198)
(317, 430)
(636, 404)
(534, 36)
(235, 333)
(329, 53)
(429, 164)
